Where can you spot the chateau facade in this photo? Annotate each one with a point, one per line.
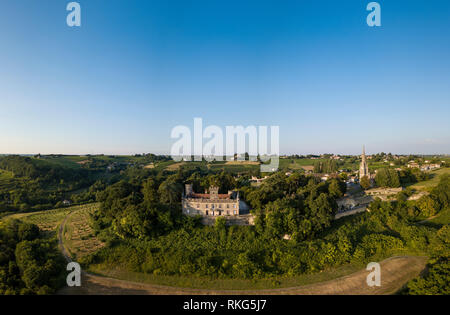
(212, 204)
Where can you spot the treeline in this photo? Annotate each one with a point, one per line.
(38, 184)
(387, 177)
(41, 170)
(29, 264)
(327, 166)
(295, 206)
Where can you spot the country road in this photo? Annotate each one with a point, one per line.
(395, 273)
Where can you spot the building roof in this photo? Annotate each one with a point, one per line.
(208, 196)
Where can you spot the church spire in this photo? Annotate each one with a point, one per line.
(364, 167)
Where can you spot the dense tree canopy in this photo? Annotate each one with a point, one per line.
(386, 177)
(37, 184)
(28, 263)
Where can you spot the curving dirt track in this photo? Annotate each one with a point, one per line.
(395, 273)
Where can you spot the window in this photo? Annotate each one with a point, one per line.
(228, 206)
(213, 213)
(207, 213)
(235, 212)
(206, 206)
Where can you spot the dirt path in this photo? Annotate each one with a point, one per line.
(62, 248)
(395, 273)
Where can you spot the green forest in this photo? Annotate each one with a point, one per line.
(30, 263)
(140, 221)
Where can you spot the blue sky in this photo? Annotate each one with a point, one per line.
(136, 69)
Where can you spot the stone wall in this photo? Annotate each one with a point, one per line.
(383, 191)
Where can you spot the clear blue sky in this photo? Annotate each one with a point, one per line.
(136, 69)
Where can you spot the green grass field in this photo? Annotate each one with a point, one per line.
(433, 181)
(296, 164)
(442, 218)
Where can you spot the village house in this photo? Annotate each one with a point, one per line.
(258, 180)
(430, 167)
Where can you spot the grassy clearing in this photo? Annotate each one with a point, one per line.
(296, 164)
(175, 167)
(442, 218)
(435, 177)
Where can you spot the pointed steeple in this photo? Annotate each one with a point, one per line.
(364, 167)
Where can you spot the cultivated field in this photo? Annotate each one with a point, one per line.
(47, 221)
(50, 220)
(78, 236)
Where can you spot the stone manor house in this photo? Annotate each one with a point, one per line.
(212, 204)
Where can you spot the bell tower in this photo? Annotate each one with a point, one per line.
(364, 167)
